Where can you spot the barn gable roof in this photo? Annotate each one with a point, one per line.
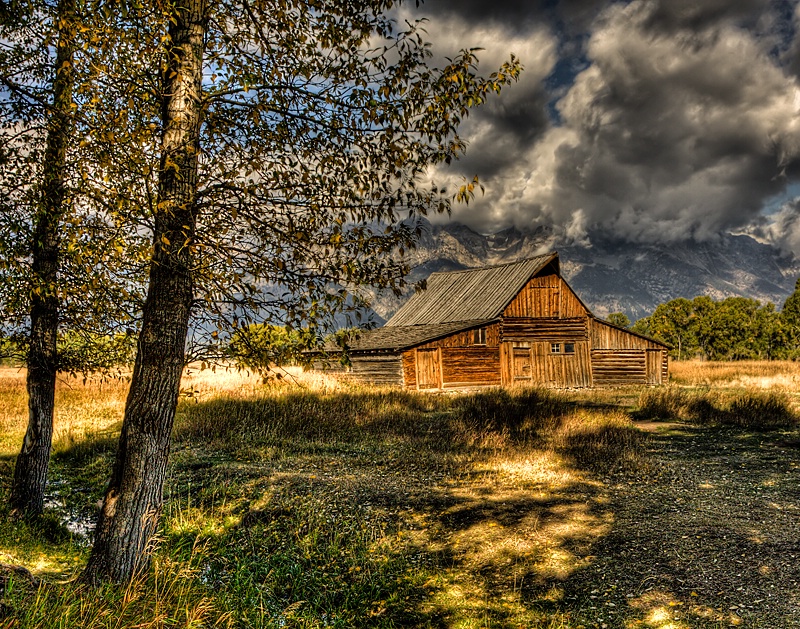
(469, 295)
(399, 337)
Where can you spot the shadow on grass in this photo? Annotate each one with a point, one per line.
(396, 509)
(503, 509)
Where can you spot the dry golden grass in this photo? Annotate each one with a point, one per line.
(310, 502)
(95, 405)
(82, 408)
(761, 374)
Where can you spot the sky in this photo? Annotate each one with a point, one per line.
(649, 121)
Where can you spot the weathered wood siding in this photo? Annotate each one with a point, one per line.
(330, 364)
(621, 357)
(464, 339)
(470, 366)
(614, 367)
(410, 369)
(377, 368)
(546, 329)
(429, 368)
(546, 296)
(657, 366)
(534, 363)
(606, 336)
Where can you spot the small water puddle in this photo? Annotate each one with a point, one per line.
(78, 522)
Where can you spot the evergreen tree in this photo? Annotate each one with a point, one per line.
(620, 319)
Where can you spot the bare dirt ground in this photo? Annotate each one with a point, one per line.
(709, 535)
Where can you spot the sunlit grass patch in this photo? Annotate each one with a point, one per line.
(760, 374)
(170, 594)
(658, 609)
(45, 547)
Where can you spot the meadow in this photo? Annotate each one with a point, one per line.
(312, 502)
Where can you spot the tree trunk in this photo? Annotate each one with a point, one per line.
(133, 500)
(30, 473)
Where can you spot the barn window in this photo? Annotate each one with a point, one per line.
(555, 348)
(479, 336)
(569, 348)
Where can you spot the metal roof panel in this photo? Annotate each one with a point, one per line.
(468, 295)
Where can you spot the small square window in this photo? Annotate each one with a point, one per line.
(479, 336)
(555, 348)
(569, 348)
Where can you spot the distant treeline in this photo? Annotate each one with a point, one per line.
(736, 328)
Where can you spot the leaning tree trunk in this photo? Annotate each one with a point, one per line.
(30, 472)
(133, 500)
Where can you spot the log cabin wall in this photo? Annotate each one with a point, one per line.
(384, 368)
(454, 361)
(615, 367)
(535, 363)
(546, 296)
(547, 351)
(470, 366)
(523, 329)
(620, 357)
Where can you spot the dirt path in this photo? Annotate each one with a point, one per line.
(708, 536)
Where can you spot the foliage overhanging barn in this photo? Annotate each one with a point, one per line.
(516, 323)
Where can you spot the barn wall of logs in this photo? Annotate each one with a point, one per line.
(377, 368)
(467, 338)
(470, 366)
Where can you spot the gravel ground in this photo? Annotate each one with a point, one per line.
(707, 536)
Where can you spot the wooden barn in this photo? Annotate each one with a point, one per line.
(511, 324)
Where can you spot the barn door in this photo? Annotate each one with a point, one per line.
(655, 358)
(428, 369)
(521, 367)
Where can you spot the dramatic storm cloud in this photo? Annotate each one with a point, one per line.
(650, 121)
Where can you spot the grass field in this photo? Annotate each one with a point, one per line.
(313, 503)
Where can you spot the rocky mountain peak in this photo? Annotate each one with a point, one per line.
(613, 276)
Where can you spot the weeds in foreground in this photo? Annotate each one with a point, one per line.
(751, 410)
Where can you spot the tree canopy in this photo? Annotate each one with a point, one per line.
(296, 142)
(735, 328)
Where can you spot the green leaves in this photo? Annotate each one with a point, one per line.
(322, 123)
(263, 346)
(735, 328)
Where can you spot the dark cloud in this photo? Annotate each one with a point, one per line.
(674, 15)
(570, 15)
(505, 129)
(664, 120)
(512, 14)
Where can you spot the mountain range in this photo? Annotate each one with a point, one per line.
(612, 276)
